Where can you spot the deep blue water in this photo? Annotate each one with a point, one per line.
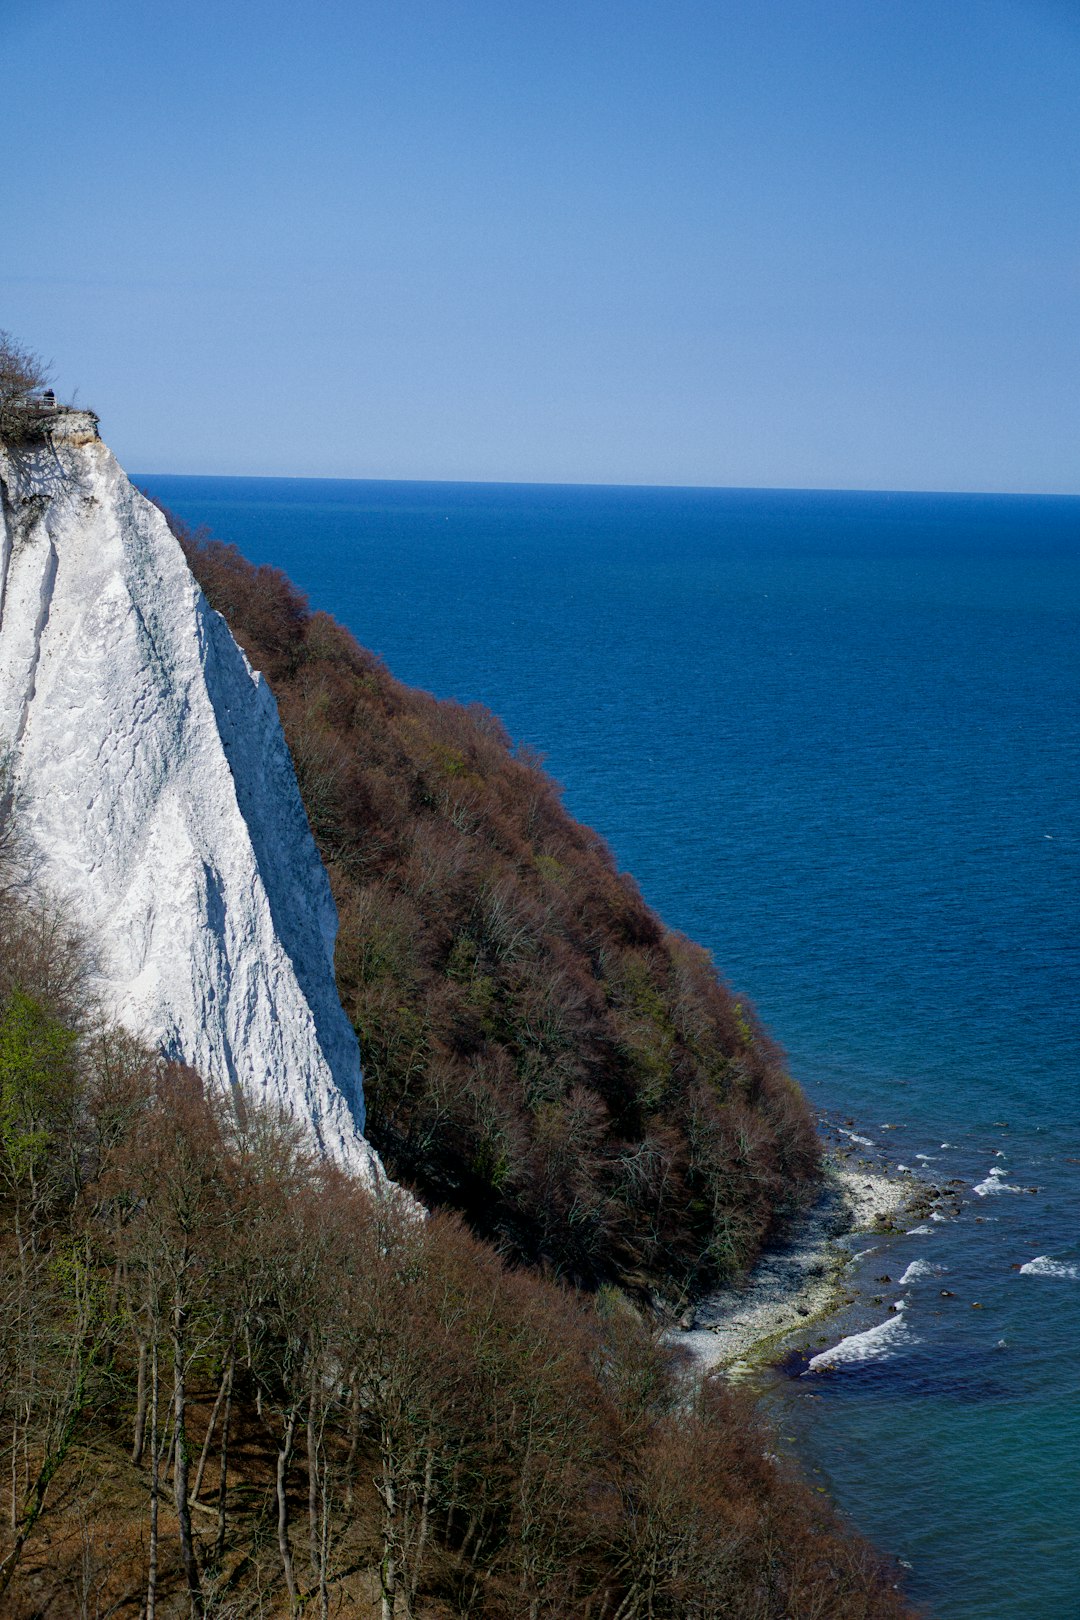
(835, 737)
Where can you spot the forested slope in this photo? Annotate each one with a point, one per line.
(231, 1384)
(539, 1051)
(235, 1382)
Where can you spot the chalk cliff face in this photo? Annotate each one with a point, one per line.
(157, 793)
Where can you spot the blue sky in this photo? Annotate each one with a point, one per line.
(766, 243)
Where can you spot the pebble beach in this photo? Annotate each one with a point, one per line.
(800, 1282)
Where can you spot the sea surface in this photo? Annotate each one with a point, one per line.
(835, 738)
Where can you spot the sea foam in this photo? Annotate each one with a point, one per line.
(863, 1141)
(994, 1183)
(876, 1344)
(1043, 1266)
(920, 1268)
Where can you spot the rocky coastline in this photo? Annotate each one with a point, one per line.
(801, 1282)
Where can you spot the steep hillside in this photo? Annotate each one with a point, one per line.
(234, 1384)
(539, 1051)
(235, 1377)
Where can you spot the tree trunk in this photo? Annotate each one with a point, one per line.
(211, 1426)
(388, 1568)
(354, 1440)
(139, 1435)
(14, 1512)
(313, 1471)
(422, 1531)
(155, 1455)
(324, 1549)
(283, 1459)
(181, 1465)
(219, 1543)
(31, 1514)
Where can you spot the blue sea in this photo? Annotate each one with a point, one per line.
(835, 738)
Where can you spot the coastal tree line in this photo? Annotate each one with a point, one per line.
(233, 1383)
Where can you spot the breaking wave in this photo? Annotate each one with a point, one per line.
(863, 1141)
(1043, 1266)
(920, 1268)
(994, 1183)
(876, 1344)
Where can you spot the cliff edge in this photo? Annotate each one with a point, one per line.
(157, 794)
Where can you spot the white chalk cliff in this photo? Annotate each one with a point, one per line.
(154, 785)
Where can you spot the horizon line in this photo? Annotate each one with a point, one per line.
(559, 483)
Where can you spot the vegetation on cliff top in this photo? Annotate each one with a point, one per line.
(23, 374)
(539, 1051)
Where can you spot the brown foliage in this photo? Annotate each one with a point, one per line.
(386, 1418)
(539, 1051)
(232, 1383)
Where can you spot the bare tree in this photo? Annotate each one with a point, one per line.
(22, 373)
(170, 1171)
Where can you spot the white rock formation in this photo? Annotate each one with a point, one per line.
(153, 782)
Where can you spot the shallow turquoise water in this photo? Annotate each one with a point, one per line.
(835, 737)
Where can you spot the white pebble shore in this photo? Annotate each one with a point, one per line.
(798, 1283)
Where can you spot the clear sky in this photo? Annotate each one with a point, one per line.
(773, 242)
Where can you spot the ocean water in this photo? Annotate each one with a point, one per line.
(835, 737)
